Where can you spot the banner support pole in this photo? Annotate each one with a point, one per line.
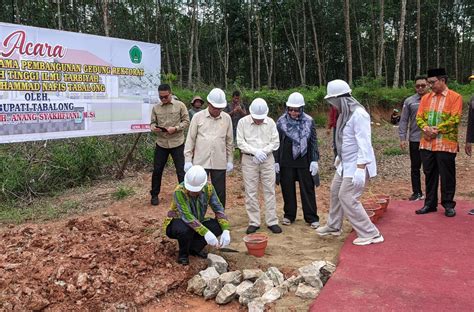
(119, 174)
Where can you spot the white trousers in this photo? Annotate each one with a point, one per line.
(345, 201)
(254, 175)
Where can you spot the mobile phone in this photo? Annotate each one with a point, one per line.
(163, 129)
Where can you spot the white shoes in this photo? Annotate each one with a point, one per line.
(286, 221)
(314, 225)
(360, 241)
(326, 230)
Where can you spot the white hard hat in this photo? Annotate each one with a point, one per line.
(195, 178)
(217, 98)
(258, 108)
(336, 88)
(295, 99)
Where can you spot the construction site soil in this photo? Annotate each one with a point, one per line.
(113, 255)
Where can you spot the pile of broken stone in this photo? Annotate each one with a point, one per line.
(255, 288)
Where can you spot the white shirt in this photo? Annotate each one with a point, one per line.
(252, 137)
(357, 145)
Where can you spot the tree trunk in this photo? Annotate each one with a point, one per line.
(191, 44)
(267, 59)
(60, 20)
(374, 40)
(227, 53)
(223, 56)
(418, 37)
(408, 66)
(316, 46)
(401, 34)
(381, 40)
(145, 22)
(437, 33)
(427, 55)
(305, 44)
(249, 33)
(404, 64)
(272, 53)
(347, 28)
(196, 53)
(386, 68)
(160, 28)
(178, 41)
(292, 40)
(359, 45)
(259, 51)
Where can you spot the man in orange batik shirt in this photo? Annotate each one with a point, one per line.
(438, 117)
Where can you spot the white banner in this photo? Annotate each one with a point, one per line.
(56, 84)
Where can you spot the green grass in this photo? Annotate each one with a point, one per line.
(393, 151)
(122, 192)
(42, 211)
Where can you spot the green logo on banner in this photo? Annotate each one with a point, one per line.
(135, 55)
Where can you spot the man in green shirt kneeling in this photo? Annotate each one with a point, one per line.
(187, 221)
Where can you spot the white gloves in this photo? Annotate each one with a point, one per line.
(225, 238)
(211, 239)
(313, 167)
(260, 156)
(230, 167)
(337, 161)
(187, 166)
(277, 167)
(359, 178)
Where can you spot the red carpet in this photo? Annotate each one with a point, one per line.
(425, 264)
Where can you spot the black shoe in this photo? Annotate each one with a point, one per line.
(450, 212)
(252, 229)
(426, 209)
(201, 254)
(155, 201)
(416, 196)
(183, 260)
(275, 228)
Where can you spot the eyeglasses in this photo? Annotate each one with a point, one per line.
(420, 86)
(162, 97)
(296, 110)
(432, 81)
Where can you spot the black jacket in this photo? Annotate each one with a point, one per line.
(313, 151)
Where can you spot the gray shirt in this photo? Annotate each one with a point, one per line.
(408, 120)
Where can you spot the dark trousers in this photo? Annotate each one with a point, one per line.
(288, 178)
(218, 181)
(415, 160)
(159, 163)
(188, 239)
(438, 165)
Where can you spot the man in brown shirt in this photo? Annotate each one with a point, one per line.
(236, 110)
(209, 142)
(169, 120)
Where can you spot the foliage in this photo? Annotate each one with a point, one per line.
(123, 192)
(41, 211)
(32, 169)
(239, 41)
(393, 151)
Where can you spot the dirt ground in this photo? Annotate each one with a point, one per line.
(114, 256)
